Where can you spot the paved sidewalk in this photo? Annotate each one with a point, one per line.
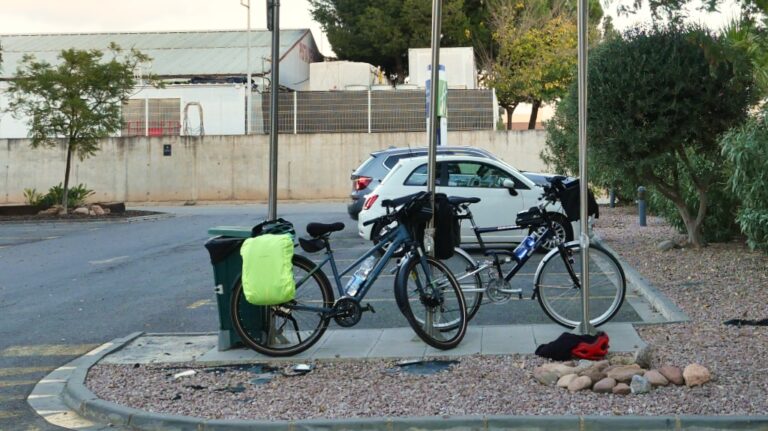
(339, 344)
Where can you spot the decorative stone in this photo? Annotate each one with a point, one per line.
(544, 376)
(622, 389)
(644, 356)
(640, 385)
(656, 378)
(594, 373)
(621, 360)
(579, 384)
(565, 380)
(666, 245)
(624, 374)
(604, 386)
(673, 374)
(97, 210)
(559, 369)
(81, 210)
(696, 375)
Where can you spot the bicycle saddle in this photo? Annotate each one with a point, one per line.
(319, 229)
(458, 200)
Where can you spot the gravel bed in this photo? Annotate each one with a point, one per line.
(714, 284)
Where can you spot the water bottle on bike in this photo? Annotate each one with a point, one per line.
(359, 276)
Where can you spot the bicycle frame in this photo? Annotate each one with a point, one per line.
(519, 263)
(396, 238)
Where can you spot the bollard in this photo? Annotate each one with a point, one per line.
(612, 197)
(641, 204)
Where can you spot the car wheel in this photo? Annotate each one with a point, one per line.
(563, 233)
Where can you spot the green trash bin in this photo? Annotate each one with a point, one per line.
(224, 249)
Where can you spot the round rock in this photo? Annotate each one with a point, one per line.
(566, 380)
(640, 385)
(696, 375)
(622, 389)
(579, 384)
(604, 386)
(624, 374)
(673, 374)
(656, 378)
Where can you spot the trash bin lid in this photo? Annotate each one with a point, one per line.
(231, 231)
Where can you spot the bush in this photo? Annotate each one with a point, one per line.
(32, 197)
(77, 195)
(719, 224)
(746, 151)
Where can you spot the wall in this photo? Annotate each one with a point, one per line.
(311, 166)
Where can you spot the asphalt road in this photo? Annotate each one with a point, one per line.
(68, 287)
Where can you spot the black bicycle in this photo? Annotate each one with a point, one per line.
(557, 282)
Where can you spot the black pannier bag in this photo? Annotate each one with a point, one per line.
(529, 218)
(447, 228)
(569, 197)
(447, 232)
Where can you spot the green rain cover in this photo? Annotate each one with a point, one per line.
(268, 269)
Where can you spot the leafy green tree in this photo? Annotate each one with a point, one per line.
(537, 51)
(658, 101)
(79, 99)
(381, 31)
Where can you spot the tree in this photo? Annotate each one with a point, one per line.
(537, 51)
(79, 99)
(658, 101)
(381, 31)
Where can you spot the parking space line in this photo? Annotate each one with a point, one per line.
(11, 383)
(18, 371)
(48, 350)
(200, 303)
(10, 415)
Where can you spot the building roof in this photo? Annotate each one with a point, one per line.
(174, 54)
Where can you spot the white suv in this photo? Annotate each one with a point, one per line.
(466, 176)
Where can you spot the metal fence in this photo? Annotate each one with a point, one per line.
(372, 111)
(151, 117)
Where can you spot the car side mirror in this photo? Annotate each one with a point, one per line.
(510, 186)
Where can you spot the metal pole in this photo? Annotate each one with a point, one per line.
(433, 88)
(275, 74)
(585, 327)
(248, 90)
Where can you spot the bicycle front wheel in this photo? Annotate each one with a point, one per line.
(431, 300)
(290, 328)
(560, 296)
(464, 268)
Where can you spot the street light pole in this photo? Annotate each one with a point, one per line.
(584, 327)
(273, 109)
(248, 103)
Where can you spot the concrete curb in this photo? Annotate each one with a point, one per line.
(661, 303)
(79, 398)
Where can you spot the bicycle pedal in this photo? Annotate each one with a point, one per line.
(369, 307)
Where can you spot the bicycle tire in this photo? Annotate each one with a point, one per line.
(561, 300)
(450, 324)
(255, 331)
(462, 265)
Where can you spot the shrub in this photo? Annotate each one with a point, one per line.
(76, 195)
(32, 197)
(746, 151)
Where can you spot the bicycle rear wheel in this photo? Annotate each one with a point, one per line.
(560, 297)
(283, 330)
(463, 267)
(431, 300)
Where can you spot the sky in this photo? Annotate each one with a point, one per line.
(86, 16)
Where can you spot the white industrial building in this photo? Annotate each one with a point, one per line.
(204, 74)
